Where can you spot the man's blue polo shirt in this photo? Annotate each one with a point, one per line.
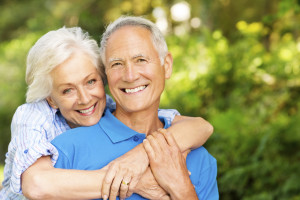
(90, 148)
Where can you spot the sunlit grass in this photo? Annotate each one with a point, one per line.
(1, 174)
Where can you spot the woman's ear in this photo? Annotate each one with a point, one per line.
(168, 65)
(51, 103)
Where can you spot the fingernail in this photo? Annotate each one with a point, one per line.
(105, 197)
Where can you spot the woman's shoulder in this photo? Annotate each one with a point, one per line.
(40, 106)
(34, 112)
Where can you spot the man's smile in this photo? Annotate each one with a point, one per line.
(134, 90)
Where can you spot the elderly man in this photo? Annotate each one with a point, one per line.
(137, 63)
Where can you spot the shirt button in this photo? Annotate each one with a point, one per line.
(136, 138)
(26, 151)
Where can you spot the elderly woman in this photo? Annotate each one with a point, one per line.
(66, 90)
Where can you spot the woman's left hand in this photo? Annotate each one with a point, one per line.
(124, 173)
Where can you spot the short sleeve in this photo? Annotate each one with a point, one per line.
(29, 142)
(207, 187)
(62, 161)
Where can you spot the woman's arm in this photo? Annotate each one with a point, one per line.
(42, 181)
(190, 132)
(37, 180)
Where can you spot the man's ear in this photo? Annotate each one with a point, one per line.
(51, 102)
(168, 65)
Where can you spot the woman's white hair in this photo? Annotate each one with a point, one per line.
(157, 37)
(51, 50)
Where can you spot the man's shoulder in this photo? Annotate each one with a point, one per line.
(201, 158)
(75, 134)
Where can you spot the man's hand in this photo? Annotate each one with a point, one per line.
(124, 173)
(168, 165)
(149, 188)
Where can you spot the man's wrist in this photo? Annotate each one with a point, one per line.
(143, 153)
(187, 191)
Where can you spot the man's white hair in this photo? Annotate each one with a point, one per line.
(157, 36)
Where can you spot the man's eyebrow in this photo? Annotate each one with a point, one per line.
(139, 55)
(114, 59)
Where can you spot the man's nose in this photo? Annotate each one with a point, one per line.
(131, 73)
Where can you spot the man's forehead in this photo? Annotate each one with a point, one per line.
(124, 32)
(134, 56)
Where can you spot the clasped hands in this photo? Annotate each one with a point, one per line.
(131, 173)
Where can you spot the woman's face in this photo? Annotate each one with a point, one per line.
(78, 91)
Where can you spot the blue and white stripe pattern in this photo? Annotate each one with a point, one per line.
(33, 127)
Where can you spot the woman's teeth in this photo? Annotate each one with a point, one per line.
(137, 89)
(87, 110)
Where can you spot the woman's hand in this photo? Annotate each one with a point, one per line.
(168, 165)
(124, 173)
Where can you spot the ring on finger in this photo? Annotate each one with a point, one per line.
(125, 182)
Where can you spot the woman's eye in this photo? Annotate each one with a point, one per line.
(91, 82)
(66, 91)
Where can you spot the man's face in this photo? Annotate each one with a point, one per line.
(135, 76)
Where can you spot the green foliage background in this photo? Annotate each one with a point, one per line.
(239, 70)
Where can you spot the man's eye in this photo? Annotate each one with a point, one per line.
(91, 82)
(117, 64)
(66, 91)
(141, 60)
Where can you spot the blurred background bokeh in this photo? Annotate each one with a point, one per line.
(236, 63)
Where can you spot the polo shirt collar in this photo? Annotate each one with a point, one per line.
(115, 129)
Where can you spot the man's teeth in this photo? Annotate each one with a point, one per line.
(87, 110)
(137, 89)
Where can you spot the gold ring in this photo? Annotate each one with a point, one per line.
(125, 183)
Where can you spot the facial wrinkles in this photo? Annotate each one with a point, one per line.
(120, 50)
(75, 74)
(128, 50)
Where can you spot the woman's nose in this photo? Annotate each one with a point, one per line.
(84, 96)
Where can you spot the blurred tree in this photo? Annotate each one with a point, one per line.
(236, 63)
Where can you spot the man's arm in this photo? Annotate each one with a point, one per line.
(189, 133)
(169, 166)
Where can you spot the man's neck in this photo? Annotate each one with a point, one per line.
(143, 121)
